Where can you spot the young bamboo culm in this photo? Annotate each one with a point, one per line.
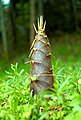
(41, 66)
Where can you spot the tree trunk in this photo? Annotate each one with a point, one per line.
(74, 14)
(12, 15)
(3, 30)
(32, 19)
(23, 19)
(40, 7)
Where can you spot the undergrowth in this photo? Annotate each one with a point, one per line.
(63, 102)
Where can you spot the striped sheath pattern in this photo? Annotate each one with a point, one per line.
(41, 66)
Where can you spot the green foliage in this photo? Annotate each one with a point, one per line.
(67, 47)
(14, 94)
(63, 102)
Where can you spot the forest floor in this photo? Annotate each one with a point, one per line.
(16, 101)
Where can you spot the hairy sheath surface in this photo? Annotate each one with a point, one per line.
(41, 66)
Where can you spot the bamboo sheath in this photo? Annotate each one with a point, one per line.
(41, 66)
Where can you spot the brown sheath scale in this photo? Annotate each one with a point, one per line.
(41, 66)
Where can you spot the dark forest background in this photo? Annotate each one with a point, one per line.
(17, 18)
